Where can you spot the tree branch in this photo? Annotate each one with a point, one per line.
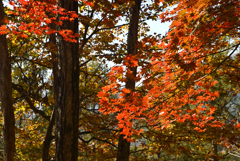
(30, 103)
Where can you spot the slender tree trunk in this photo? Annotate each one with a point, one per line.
(67, 111)
(6, 96)
(215, 152)
(49, 137)
(123, 145)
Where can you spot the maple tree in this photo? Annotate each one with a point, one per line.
(174, 73)
(177, 83)
(6, 95)
(123, 144)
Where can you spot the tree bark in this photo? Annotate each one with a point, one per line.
(6, 96)
(123, 145)
(49, 137)
(67, 111)
(215, 158)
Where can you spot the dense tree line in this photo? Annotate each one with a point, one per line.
(167, 97)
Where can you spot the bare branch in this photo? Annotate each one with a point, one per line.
(29, 101)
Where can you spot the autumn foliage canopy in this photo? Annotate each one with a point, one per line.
(177, 83)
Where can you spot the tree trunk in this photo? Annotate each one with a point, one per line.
(6, 96)
(123, 149)
(215, 152)
(49, 137)
(123, 145)
(67, 111)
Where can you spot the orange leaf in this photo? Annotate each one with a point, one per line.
(106, 88)
(48, 20)
(100, 94)
(24, 36)
(237, 126)
(125, 90)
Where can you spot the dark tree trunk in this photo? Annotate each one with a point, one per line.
(49, 137)
(123, 149)
(6, 96)
(67, 111)
(215, 152)
(123, 145)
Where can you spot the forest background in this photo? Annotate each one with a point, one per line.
(87, 80)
